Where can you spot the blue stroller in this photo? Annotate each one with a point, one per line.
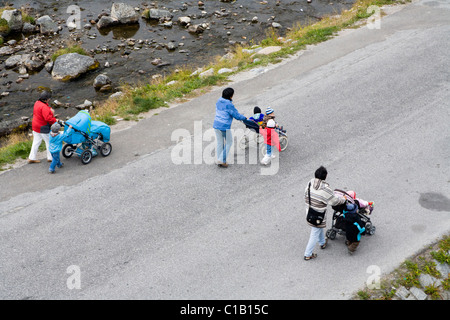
(87, 139)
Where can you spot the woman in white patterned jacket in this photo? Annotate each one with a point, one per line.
(320, 195)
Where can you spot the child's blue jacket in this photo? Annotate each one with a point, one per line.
(56, 141)
(225, 112)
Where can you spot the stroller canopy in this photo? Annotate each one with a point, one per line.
(81, 121)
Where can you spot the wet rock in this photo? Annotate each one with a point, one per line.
(13, 61)
(167, 24)
(276, 25)
(196, 29)
(124, 13)
(47, 25)
(14, 19)
(72, 65)
(7, 51)
(49, 66)
(158, 14)
(171, 46)
(156, 61)
(33, 63)
(28, 28)
(106, 22)
(101, 80)
(184, 21)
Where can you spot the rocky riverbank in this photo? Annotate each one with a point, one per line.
(129, 42)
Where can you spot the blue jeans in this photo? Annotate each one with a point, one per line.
(269, 149)
(224, 142)
(56, 162)
(317, 235)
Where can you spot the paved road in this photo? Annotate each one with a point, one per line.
(370, 105)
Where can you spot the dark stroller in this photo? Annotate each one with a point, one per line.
(338, 223)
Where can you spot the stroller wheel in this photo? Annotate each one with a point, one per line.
(106, 149)
(263, 149)
(86, 156)
(259, 138)
(68, 150)
(283, 142)
(243, 143)
(331, 234)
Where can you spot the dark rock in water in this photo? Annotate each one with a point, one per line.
(124, 13)
(196, 29)
(106, 22)
(49, 66)
(72, 65)
(28, 28)
(184, 21)
(33, 63)
(171, 46)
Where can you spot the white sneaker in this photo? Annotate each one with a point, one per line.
(265, 160)
(273, 156)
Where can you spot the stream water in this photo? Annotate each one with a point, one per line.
(130, 62)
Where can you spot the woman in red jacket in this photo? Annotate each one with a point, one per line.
(43, 118)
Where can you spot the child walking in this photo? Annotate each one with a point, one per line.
(56, 143)
(271, 139)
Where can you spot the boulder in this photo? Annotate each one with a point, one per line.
(72, 65)
(14, 19)
(124, 13)
(101, 80)
(47, 25)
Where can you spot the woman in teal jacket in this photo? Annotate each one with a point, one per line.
(225, 112)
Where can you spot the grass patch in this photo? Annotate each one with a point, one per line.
(407, 275)
(70, 49)
(16, 146)
(4, 27)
